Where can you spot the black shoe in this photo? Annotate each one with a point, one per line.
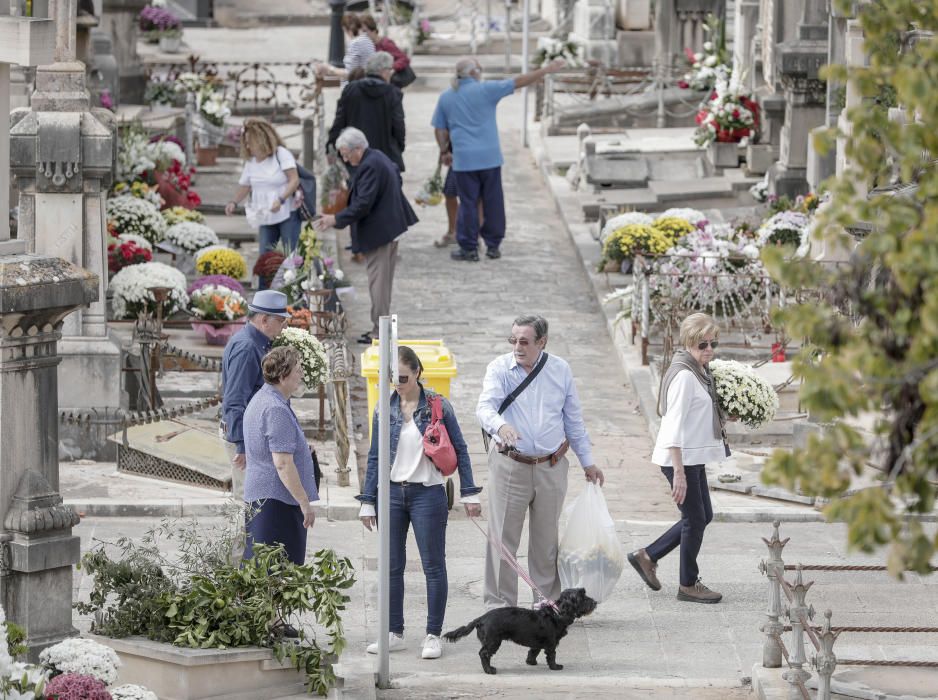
(493, 253)
(466, 255)
(365, 338)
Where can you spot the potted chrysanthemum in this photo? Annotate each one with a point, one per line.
(221, 312)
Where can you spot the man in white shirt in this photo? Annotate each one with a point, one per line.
(527, 462)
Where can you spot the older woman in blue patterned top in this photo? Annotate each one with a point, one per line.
(280, 484)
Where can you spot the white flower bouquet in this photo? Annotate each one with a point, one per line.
(18, 681)
(312, 354)
(743, 393)
(215, 302)
(84, 657)
(130, 289)
(190, 237)
(132, 692)
(137, 216)
(786, 228)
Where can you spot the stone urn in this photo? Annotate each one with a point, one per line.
(170, 43)
(206, 155)
(723, 154)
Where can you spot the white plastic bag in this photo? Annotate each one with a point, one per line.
(590, 555)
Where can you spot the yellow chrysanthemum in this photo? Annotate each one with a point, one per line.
(221, 261)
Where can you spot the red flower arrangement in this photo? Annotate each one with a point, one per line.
(727, 117)
(268, 264)
(175, 186)
(121, 254)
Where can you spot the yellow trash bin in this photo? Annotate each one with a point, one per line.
(439, 367)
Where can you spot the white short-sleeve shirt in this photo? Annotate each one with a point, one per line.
(688, 424)
(267, 181)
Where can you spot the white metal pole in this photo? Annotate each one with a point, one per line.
(387, 373)
(525, 29)
(384, 487)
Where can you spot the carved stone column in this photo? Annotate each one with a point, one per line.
(119, 19)
(36, 294)
(805, 99)
(62, 153)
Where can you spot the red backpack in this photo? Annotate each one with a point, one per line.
(436, 443)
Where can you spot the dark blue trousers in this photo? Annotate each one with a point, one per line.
(471, 187)
(424, 507)
(688, 532)
(275, 522)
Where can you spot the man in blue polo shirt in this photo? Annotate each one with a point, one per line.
(241, 374)
(465, 119)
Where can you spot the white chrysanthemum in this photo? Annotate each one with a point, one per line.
(165, 152)
(137, 216)
(83, 656)
(625, 219)
(743, 393)
(130, 289)
(140, 241)
(312, 354)
(689, 215)
(191, 236)
(132, 692)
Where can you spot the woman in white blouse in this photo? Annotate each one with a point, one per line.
(270, 178)
(690, 436)
(417, 498)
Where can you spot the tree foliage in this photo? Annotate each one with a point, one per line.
(871, 350)
(199, 597)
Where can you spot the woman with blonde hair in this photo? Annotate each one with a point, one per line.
(270, 177)
(690, 436)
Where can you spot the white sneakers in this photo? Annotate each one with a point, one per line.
(395, 643)
(431, 647)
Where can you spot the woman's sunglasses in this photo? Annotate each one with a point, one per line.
(403, 378)
(712, 343)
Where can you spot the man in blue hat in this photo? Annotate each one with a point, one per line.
(241, 374)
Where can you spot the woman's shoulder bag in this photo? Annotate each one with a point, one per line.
(436, 443)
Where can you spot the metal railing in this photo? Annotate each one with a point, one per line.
(800, 616)
(745, 301)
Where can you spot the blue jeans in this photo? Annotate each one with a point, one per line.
(425, 507)
(688, 532)
(287, 231)
(473, 186)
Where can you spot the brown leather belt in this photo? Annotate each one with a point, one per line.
(512, 453)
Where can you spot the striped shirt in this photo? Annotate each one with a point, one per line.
(359, 50)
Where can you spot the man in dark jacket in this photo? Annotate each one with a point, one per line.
(373, 106)
(378, 213)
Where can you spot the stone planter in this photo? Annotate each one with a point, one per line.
(723, 155)
(176, 673)
(219, 333)
(170, 44)
(206, 155)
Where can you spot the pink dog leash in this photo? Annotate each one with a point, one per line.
(513, 563)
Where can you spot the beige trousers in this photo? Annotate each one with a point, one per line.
(380, 264)
(237, 475)
(514, 489)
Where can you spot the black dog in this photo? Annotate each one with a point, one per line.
(535, 629)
